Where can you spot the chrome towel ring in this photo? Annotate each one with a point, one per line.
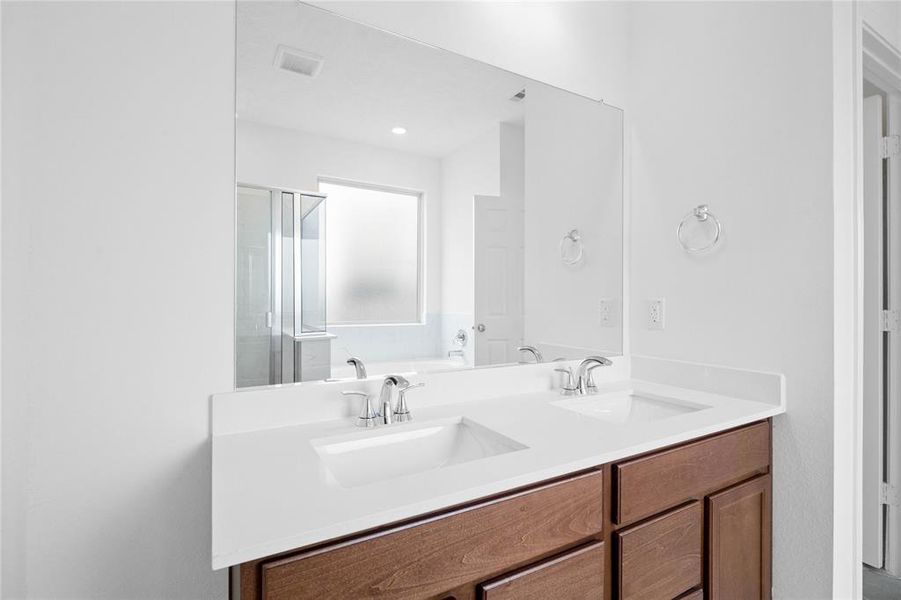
(571, 251)
(702, 215)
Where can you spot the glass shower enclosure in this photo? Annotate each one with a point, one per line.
(280, 303)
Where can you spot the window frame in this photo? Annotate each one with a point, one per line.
(420, 246)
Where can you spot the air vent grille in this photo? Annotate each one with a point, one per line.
(298, 61)
(519, 96)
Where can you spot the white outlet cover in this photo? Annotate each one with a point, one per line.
(656, 313)
(607, 312)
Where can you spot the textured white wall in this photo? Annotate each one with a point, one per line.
(721, 117)
(117, 245)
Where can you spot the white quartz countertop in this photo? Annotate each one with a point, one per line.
(272, 493)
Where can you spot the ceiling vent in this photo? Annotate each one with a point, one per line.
(298, 61)
(519, 96)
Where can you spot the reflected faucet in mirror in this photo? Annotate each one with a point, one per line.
(358, 366)
(533, 351)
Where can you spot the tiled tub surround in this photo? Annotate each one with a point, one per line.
(272, 492)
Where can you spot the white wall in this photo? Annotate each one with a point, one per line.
(574, 180)
(280, 157)
(472, 169)
(117, 246)
(721, 118)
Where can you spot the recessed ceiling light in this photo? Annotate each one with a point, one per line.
(398, 130)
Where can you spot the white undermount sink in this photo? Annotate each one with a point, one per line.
(628, 406)
(364, 457)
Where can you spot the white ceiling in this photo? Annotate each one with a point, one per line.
(370, 82)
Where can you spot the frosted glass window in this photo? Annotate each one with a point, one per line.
(372, 250)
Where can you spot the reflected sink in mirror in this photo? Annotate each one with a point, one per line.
(365, 457)
(628, 407)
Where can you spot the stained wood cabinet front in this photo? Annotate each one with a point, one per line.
(434, 557)
(660, 559)
(705, 503)
(575, 575)
(739, 532)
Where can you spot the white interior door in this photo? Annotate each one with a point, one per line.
(874, 374)
(892, 560)
(498, 286)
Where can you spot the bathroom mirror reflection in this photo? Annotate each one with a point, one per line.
(414, 208)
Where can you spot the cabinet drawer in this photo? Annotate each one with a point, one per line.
(430, 557)
(575, 575)
(658, 481)
(661, 558)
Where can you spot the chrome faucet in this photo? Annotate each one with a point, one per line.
(386, 412)
(586, 383)
(368, 416)
(533, 351)
(568, 387)
(358, 365)
(401, 411)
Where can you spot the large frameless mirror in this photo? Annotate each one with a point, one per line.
(412, 208)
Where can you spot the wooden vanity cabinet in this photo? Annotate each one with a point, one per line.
(445, 555)
(698, 507)
(689, 522)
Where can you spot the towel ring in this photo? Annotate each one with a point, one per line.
(702, 214)
(571, 243)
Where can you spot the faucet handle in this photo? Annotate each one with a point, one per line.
(569, 387)
(368, 416)
(401, 411)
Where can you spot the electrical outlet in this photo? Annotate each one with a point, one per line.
(607, 316)
(656, 313)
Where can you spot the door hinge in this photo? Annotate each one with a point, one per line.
(889, 319)
(269, 320)
(889, 494)
(891, 146)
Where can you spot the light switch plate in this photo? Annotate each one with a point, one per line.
(656, 313)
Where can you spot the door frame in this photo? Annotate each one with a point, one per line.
(858, 49)
(882, 68)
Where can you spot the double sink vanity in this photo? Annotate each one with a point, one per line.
(655, 485)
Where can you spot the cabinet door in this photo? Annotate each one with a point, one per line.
(575, 575)
(739, 530)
